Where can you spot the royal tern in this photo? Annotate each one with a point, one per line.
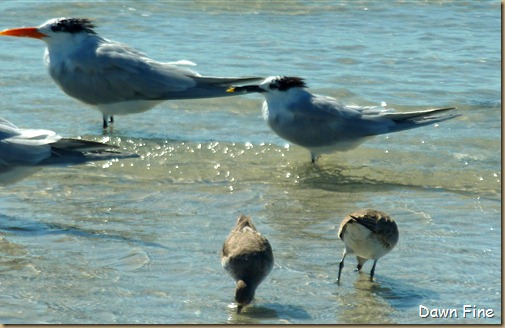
(323, 124)
(247, 256)
(112, 76)
(369, 234)
(25, 151)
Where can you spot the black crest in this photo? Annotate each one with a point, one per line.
(284, 83)
(73, 25)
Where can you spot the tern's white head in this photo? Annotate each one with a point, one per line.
(56, 30)
(273, 85)
(282, 83)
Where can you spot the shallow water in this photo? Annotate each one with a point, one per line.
(138, 241)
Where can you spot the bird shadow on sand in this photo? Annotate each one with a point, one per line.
(335, 178)
(26, 227)
(358, 179)
(274, 312)
(10, 174)
(398, 293)
(378, 301)
(401, 294)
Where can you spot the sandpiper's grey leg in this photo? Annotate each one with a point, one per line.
(340, 266)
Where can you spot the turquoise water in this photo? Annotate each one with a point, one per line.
(138, 241)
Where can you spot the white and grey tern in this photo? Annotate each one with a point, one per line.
(114, 77)
(323, 124)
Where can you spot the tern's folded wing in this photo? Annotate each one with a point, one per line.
(115, 73)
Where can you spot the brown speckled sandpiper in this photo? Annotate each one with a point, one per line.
(247, 256)
(369, 234)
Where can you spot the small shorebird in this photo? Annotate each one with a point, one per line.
(112, 76)
(323, 124)
(247, 256)
(370, 235)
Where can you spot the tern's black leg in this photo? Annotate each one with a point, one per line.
(373, 270)
(105, 121)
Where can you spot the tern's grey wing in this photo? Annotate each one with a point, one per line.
(365, 121)
(345, 121)
(113, 72)
(328, 108)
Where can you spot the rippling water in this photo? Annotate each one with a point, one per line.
(138, 241)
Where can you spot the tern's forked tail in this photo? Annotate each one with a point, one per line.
(74, 151)
(410, 120)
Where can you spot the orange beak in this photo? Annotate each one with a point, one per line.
(26, 32)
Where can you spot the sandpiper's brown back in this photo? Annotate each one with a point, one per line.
(378, 222)
(247, 256)
(369, 234)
